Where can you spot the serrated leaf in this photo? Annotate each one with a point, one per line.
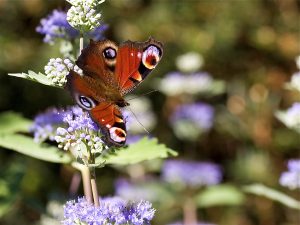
(220, 195)
(27, 146)
(13, 122)
(261, 190)
(37, 77)
(145, 149)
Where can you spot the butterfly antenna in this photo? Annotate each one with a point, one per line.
(142, 95)
(138, 120)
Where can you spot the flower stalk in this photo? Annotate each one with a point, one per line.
(86, 179)
(189, 212)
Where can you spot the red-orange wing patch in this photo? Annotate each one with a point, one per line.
(135, 60)
(110, 120)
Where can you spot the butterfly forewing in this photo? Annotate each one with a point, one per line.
(135, 60)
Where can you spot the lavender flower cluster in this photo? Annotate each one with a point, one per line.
(191, 120)
(291, 178)
(129, 190)
(176, 83)
(72, 129)
(112, 210)
(55, 26)
(200, 114)
(80, 129)
(45, 124)
(190, 173)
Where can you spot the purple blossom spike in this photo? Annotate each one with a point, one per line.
(291, 178)
(79, 129)
(129, 190)
(200, 114)
(55, 25)
(45, 124)
(189, 173)
(191, 120)
(112, 210)
(97, 33)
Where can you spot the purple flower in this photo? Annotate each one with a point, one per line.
(128, 190)
(191, 120)
(97, 33)
(55, 25)
(79, 129)
(291, 178)
(200, 114)
(112, 210)
(45, 124)
(77, 119)
(176, 83)
(194, 174)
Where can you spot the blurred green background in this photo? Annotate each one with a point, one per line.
(250, 44)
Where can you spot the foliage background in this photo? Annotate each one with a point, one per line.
(250, 44)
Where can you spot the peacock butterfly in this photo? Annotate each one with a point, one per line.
(109, 73)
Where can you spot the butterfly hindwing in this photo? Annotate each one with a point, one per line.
(110, 120)
(135, 60)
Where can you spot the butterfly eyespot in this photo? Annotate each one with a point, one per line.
(85, 102)
(117, 134)
(151, 57)
(109, 53)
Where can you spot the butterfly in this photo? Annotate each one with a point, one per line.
(109, 73)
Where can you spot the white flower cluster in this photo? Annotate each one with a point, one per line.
(189, 62)
(57, 70)
(67, 139)
(290, 117)
(176, 83)
(83, 14)
(295, 79)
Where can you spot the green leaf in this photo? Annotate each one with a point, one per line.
(13, 122)
(220, 195)
(33, 76)
(145, 149)
(261, 190)
(10, 182)
(27, 146)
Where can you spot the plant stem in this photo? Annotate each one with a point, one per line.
(80, 43)
(94, 187)
(189, 212)
(86, 179)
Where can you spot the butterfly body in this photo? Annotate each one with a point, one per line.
(109, 73)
